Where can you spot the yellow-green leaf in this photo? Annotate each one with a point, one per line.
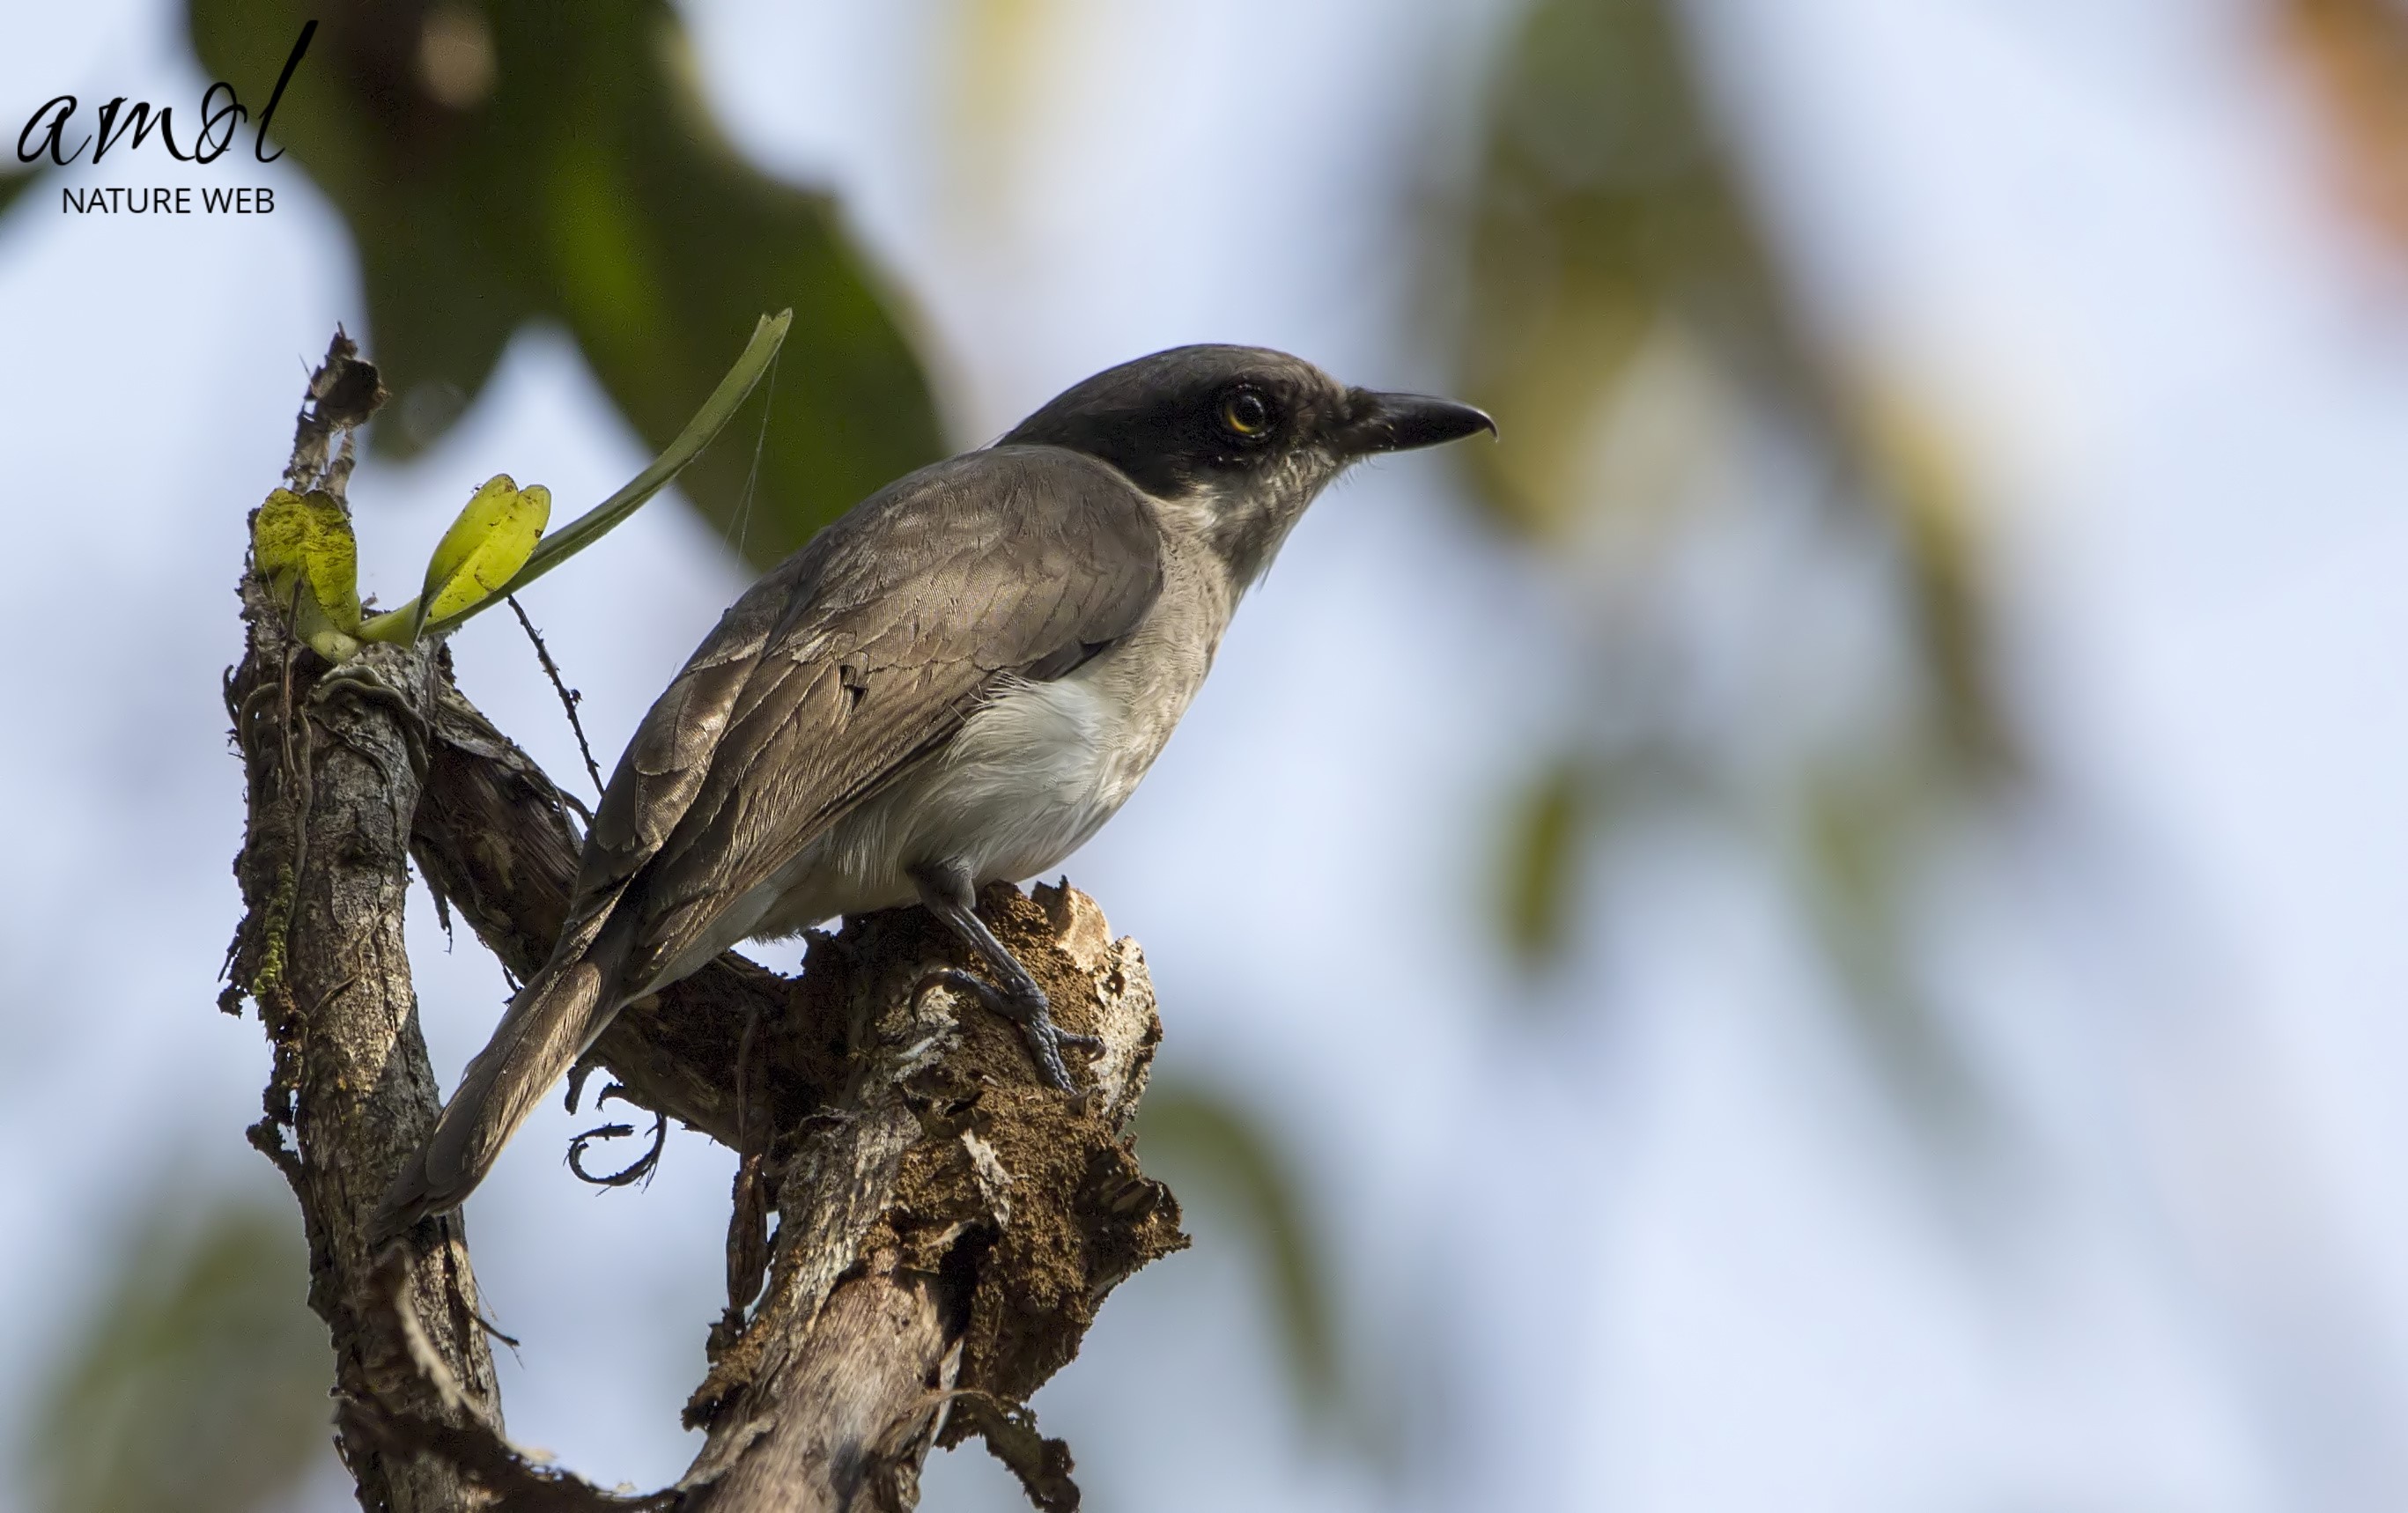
(329, 640)
(406, 624)
(486, 545)
(474, 214)
(296, 536)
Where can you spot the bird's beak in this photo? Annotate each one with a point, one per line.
(1400, 422)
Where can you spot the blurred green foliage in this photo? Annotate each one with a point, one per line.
(509, 163)
(1628, 321)
(1541, 889)
(199, 1383)
(498, 165)
(1604, 208)
(1860, 836)
(1225, 1157)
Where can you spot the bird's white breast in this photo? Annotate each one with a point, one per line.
(1030, 775)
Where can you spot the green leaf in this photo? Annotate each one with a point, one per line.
(503, 165)
(493, 539)
(768, 334)
(1615, 272)
(297, 535)
(768, 331)
(1246, 1176)
(303, 547)
(197, 1380)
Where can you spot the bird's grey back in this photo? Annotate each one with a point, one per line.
(853, 660)
(836, 675)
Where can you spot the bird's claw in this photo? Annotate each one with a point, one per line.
(1032, 1014)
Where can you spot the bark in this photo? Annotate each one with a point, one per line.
(945, 1225)
(947, 1216)
(333, 759)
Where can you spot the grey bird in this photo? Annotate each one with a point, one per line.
(957, 682)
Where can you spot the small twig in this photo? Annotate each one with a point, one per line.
(473, 1444)
(748, 1218)
(495, 1331)
(267, 1138)
(485, 1459)
(569, 699)
(641, 1168)
(1010, 1429)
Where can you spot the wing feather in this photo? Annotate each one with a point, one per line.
(851, 661)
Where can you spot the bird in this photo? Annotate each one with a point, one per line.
(956, 682)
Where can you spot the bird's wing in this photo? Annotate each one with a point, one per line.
(853, 659)
(860, 656)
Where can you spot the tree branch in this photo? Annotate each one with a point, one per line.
(946, 1225)
(333, 757)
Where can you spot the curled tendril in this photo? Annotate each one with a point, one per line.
(639, 1170)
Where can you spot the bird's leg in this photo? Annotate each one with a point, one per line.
(946, 892)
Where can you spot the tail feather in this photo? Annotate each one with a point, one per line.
(547, 1027)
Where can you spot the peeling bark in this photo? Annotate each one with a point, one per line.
(945, 1225)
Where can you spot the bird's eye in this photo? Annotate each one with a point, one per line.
(1246, 415)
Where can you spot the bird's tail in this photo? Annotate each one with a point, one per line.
(548, 1026)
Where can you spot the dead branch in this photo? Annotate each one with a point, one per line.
(334, 758)
(946, 1226)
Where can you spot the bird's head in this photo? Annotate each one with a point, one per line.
(1238, 438)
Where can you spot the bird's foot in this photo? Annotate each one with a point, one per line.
(1030, 1011)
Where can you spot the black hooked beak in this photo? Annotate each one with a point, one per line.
(1400, 422)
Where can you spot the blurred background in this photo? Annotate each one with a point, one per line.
(1819, 928)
